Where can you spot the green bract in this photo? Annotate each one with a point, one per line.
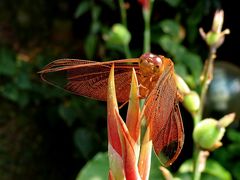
(213, 38)
(191, 101)
(207, 134)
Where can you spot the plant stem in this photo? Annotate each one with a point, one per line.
(147, 32)
(127, 51)
(123, 12)
(206, 78)
(124, 22)
(196, 163)
(147, 11)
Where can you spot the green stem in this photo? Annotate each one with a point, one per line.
(147, 32)
(196, 163)
(123, 12)
(206, 78)
(127, 51)
(124, 22)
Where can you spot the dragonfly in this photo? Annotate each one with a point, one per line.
(157, 85)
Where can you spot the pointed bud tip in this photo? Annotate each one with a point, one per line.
(227, 120)
(166, 173)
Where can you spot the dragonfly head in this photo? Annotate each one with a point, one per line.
(151, 64)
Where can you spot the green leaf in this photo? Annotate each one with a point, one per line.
(170, 27)
(183, 56)
(186, 166)
(181, 70)
(235, 170)
(173, 3)
(22, 81)
(95, 11)
(110, 3)
(166, 28)
(171, 47)
(233, 135)
(82, 8)
(155, 172)
(67, 112)
(23, 99)
(212, 170)
(194, 64)
(10, 92)
(95, 169)
(215, 169)
(90, 45)
(85, 141)
(7, 62)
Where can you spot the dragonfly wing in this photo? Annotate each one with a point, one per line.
(164, 118)
(168, 142)
(90, 78)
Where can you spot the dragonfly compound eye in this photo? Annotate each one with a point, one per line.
(151, 58)
(157, 61)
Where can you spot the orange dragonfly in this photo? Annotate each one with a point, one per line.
(157, 85)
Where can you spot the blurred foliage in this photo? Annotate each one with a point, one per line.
(213, 170)
(229, 153)
(97, 168)
(46, 133)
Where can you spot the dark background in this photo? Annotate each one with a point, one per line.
(46, 133)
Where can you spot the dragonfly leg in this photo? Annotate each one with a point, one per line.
(180, 96)
(123, 104)
(143, 91)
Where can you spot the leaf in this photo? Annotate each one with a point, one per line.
(215, 169)
(194, 63)
(110, 4)
(67, 112)
(95, 169)
(10, 92)
(235, 170)
(181, 70)
(173, 3)
(22, 81)
(212, 170)
(23, 99)
(170, 27)
(155, 172)
(7, 62)
(90, 45)
(233, 135)
(82, 8)
(170, 46)
(84, 141)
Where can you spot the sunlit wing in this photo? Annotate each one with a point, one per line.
(163, 115)
(89, 78)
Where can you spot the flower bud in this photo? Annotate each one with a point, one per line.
(208, 134)
(119, 35)
(182, 85)
(213, 38)
(191, 101)
(218, 21)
